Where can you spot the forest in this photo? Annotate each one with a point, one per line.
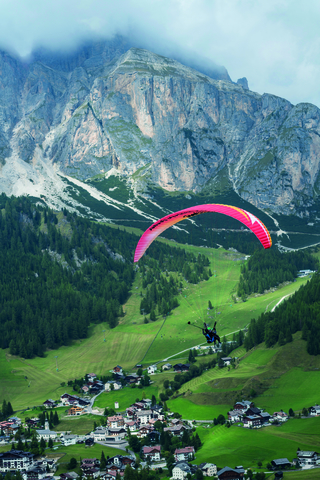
(269, 268)
(300, 312)
(61, 272)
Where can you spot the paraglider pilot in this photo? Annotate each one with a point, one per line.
(211, 333)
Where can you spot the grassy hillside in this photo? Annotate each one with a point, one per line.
(126, 345)
(240, 446)
(282, 378)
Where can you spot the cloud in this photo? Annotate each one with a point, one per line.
(274, 43)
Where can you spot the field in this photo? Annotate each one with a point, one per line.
(30, 382)
(240, 446)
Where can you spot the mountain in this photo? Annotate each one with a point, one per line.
(111, 130)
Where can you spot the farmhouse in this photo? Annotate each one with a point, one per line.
(49, 403)
(16, 460)
(153, 453)
(307, 457)
(315, 410)
(252, 421)
(280, 463)
(226, 360)
(235, 415)
(152, 369)
(181, 367)
(116, 385)
(243, 406)
(228, 473)
(166, 366)
(281, 416)
(117, 369)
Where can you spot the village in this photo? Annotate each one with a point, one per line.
(148, 433)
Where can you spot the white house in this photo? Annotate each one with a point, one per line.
(281, 416)
(46, 434)
(235, 415)
(144, 416)
(68, 439)
(16, 460)
(208, 469)
(184, 454)
(116, 385)
(315, 410)
(307, 457)
(180, 470)
(99, 434)
(226, 360)
(152, 369)
(153, 453)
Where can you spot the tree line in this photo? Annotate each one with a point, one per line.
(300, 312)
(269, 268)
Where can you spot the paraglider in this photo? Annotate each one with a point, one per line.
(249, 220)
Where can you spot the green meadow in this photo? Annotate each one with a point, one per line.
(241, 446)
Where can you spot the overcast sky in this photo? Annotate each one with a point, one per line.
(274, 43)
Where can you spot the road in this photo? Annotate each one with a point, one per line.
(281, 299)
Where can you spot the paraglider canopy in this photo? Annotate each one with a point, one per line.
(251, 221)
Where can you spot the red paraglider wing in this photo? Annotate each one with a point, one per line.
(249, 220)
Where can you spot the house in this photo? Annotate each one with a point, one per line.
(166, 366)
(180, 471)
(265, 417)
(176, 430)
(235, 415)
(16, 460)
(116, 385)
(144, 431)
(68, 439)
(132, 426)
(152, 369)
(281, 416)
(88, 463)
(117, 369)
(307, 457)
(228, 473)
(115, 421)
(69, 476)
(243, 406)
(85, 388)
(152, 453)
(89, 442)
(144, 416)
(117, 432)
(49, 403)
(208, 469)
(76, 411)
(315, 410)
(46, 434)
(133, 378)
(252, 421)
(280, 463)
(253, 411)
(226, 360)
(147, 403)
(181, 367)
(184, 454)
(99, 435)
(91, 377)
(67, 399)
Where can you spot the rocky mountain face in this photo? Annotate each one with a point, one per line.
(147, 119)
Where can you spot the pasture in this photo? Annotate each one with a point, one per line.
(240, 446)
